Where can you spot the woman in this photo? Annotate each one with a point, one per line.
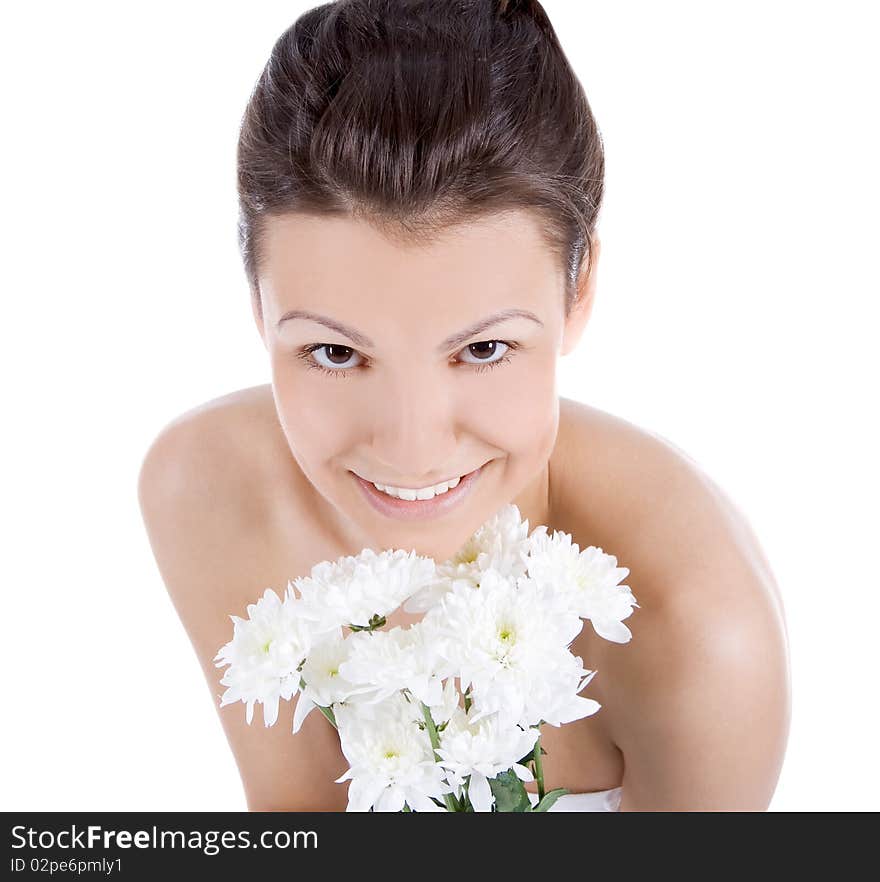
(419, 188)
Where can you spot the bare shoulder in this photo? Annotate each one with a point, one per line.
(207, 443)
(202, 493)
(698, 701)
(637, 491)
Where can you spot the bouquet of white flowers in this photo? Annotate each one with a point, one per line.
(498, 620)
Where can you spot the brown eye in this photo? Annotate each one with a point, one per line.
(485, 351)
(484, 354)
(337, 356)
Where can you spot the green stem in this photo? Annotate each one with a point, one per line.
(539, 771)
(448, 798)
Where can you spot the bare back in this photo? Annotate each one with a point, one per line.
(241, 526)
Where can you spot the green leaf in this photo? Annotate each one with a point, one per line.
(510, 793)
(549, 798)
(376, 622)
(328, 713)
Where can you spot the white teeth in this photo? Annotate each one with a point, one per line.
(424, 493)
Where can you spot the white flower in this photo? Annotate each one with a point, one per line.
(391, 761)
(500, 616)
(554, 697)
(585, 581)
(501, 544)
(449, 703)
(326, 684)
(391, 660)
(263, 656)
(351, 590)
(501, 639)
(482, 750)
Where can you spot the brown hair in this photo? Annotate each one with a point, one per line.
(416, 115)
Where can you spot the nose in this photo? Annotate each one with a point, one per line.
(414, 431)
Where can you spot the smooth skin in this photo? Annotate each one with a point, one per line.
(251, 490)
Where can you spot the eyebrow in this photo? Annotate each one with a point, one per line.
(450, 342)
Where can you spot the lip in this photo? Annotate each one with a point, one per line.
(419, 509)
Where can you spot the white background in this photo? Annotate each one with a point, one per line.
(736, 316)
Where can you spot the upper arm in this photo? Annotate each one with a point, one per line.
(698, 702)
(702, 692)
(207, 557)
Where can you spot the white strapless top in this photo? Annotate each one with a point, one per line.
(595, 801)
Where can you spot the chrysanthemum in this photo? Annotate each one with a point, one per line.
(482, 750)
(500, 544)
(391, 761)
(353, 589)
(263, 656)
(500, 639)
(391, 660)
(586, 581)
(325, 682)
(554, 696)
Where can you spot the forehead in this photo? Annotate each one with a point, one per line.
(331, 255)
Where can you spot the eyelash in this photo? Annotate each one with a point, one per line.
(306, 352)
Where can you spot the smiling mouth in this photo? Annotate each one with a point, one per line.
(407, 509)
(423, 487)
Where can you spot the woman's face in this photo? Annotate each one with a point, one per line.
(393, 388)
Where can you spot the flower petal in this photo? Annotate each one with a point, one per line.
(613, 630)
(480, 793)
(524, 773)
(303, 706)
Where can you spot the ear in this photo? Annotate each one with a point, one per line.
(583, 305)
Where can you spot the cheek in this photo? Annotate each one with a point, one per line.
(522, 417)
(526, 387)
(313, 423)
